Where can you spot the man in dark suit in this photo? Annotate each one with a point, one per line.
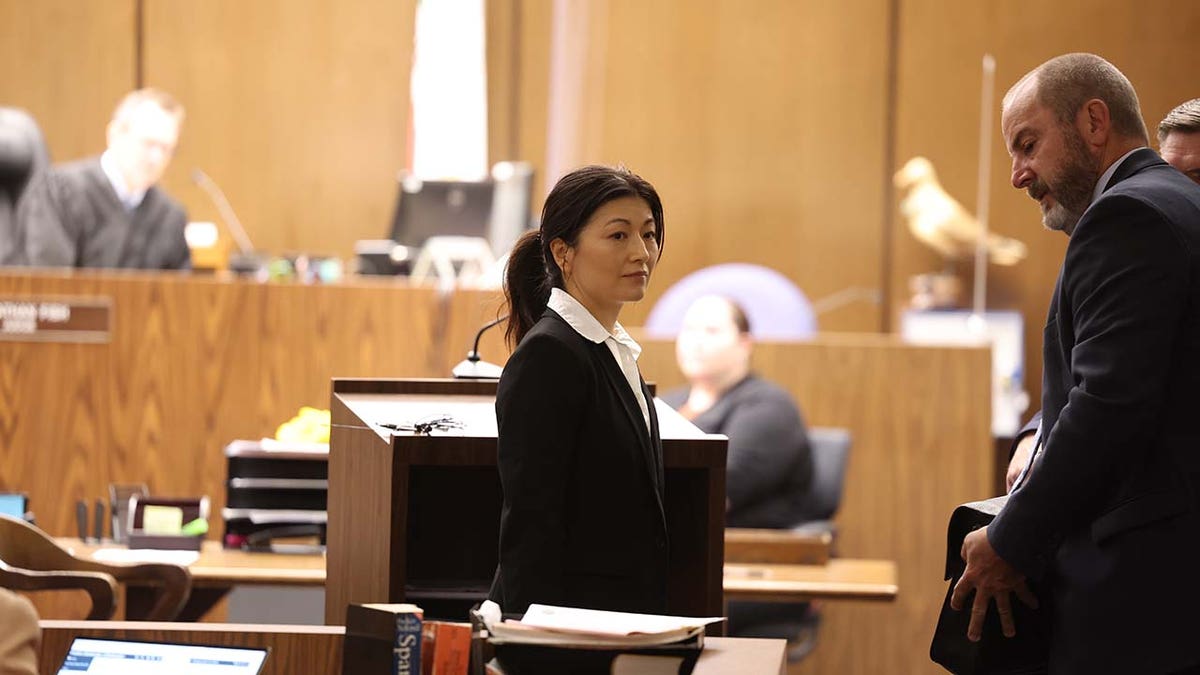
(1179, 145)
(1179, 138)
(108, 211)
(1108, 521)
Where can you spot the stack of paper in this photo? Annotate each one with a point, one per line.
(549, 625)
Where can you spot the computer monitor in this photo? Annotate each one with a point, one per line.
(100, 656)
(510, 205)
(430, 208)
(14, 504)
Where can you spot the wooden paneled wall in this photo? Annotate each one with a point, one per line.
(767, 126)
(192, 364)
(68, 63)
(298, 109)
(760, 124)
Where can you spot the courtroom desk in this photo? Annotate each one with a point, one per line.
(738, 656)
(838, 579)
(317, 650)
(219, 567)
(218, 570)
(750, 545)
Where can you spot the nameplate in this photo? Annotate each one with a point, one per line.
(55, 319)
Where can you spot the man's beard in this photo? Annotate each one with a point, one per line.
(1072, 188)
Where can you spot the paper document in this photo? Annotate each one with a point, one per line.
(546, 624)
(145, 555)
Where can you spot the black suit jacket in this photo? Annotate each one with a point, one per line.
(71, 217)
(583, 522)
(1111, 516)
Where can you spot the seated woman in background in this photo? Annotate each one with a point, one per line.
(579, 455)
(769, 465)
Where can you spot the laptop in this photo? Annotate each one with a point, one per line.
(102, 656)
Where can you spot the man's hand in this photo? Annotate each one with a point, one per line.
(1019, 459)
(990, 577)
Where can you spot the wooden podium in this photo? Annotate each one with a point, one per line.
(416, 518)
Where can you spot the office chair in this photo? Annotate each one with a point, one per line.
(22, 154)
(798, 623)
(100, 587)
(830, 449)
(31, 560)
(775, 307)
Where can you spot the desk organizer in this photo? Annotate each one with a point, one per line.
(193, 508)
(176, 542)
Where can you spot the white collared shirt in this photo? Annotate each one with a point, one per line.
(131, 200)
(1108, 174)
(624, 350)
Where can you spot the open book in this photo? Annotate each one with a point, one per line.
(569, 626)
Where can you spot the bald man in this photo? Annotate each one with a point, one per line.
(1107, 521)
(1179, 145)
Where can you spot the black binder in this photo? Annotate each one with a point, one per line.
(1024, 654)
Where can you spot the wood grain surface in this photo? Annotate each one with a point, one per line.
(193, 364)
(68, 63)
(298, 109)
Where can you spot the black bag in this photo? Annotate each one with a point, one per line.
(1024, 654)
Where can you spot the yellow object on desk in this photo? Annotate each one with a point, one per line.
(310, 425)
(166, 520)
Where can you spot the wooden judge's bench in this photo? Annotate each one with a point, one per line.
(185, 364)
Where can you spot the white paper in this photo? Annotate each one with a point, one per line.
(609, 623)
(146, 555)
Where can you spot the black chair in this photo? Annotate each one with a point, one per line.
(23, 155)
(830, 448)
(798, 622)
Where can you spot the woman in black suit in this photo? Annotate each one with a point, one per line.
(579, 453)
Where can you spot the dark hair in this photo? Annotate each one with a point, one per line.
(1065, 83)
(1185, 118)
(532, 271)
(739, 316)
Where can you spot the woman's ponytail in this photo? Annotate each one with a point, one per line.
(526, 286)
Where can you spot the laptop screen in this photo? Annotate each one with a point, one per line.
(126, 657)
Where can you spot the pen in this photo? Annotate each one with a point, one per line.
(99, 522)
(81, 519)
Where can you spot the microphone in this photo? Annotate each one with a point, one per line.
(473, 367)
(247, 261)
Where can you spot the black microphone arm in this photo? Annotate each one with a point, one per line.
(232, 223)
(473, 355)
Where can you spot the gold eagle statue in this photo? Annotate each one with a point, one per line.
(939, 221)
